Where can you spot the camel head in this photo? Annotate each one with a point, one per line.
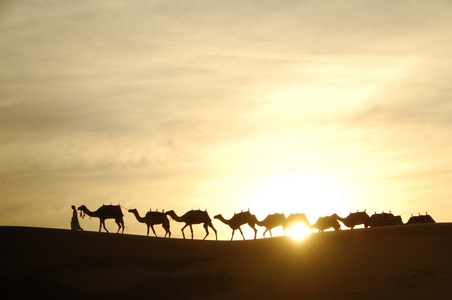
(170, 213)
(217, 216)
(133, 210)
(82, 211)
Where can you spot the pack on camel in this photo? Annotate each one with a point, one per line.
(153, 218)
(421, 219)
(191, 218)
(242, 218)
(105, 212)
(273, 221)
(385, 219)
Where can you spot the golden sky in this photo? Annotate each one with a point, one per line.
(273, 106)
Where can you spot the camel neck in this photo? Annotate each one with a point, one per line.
(175, 217)
(89, 213)
(137, 215)
(222, 219)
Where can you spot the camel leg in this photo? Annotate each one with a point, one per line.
(118, 222)
(147, 232)
(103, 223)
(213, 228)
(240, 229)
(206, 227)
(233, 230)
(152, 227)
(255, 232)
(191, 230)
(166, 227)
(183, 234)
(266, 229)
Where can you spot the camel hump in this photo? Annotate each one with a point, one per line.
(297, 217)
(421, 219)
(382, 219)
(241, 215)
(113, 210)
(156, 216)
(275, 217)
(197, 215)
(360, 214)
(244, 217)
(244, 213)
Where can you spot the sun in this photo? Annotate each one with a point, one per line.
(299, 232)
(314, 194)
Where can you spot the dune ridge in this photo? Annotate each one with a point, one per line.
(395, 262)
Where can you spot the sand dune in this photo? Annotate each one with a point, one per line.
(398, 262)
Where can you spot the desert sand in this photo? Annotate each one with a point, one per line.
(396, 262)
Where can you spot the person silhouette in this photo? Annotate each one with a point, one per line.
(75, 225)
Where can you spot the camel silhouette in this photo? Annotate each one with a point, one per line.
(194, 217)
(238, 220)
(420, 219)
(272, 221)
(385, 219)
(75, 225)
(324, 223)
(105, 212)
(292, 219)
(354, 219)
(153, 218)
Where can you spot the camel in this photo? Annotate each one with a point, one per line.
(194, 217)
(75, 225)
(152, 218)
(272, 221)
(354, 219)
(327, 222)
(105, 212)
(238, 220)
(292, 219)
(420, 219)
(385, 219)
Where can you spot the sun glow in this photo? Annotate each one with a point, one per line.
(313, 194)
(299, 232)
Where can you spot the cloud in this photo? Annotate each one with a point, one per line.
(187, 95)
(419, 98)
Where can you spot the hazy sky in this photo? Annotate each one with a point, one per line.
(276, 106)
